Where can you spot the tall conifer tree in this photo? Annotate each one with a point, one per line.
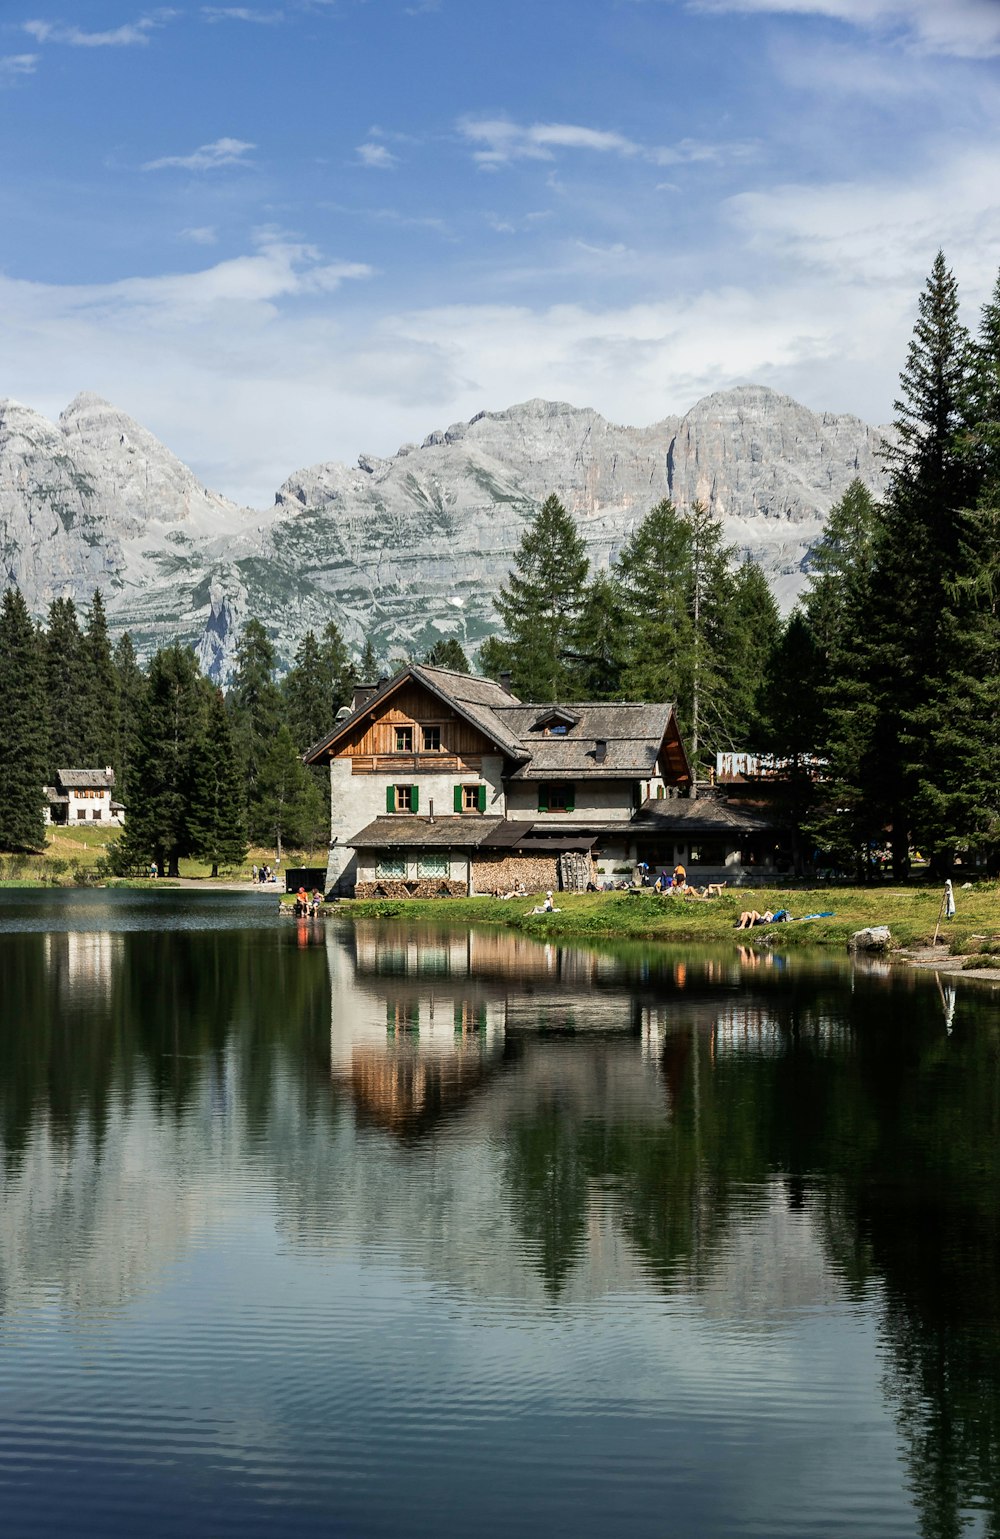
(22, 728)
(66, 690)
(540, 603)
(215, 813)
(255, 702)
(171, 729)
(101, 723)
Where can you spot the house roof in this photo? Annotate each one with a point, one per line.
(632, 733)
(85, 779)
(399, 831)
(690, 816)
(470, 696)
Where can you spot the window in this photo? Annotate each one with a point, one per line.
(433, 865)
(432, 740)
(97, 815)
(404, 739)
(391, 868)
(401, 799)
(471, 798)
(556, 796)
(557, 729)
(81, 812)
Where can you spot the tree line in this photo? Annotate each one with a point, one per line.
(886, 675)
(201, 773)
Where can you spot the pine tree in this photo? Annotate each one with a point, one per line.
(22, 728)
(255, 702)
(599, 643)
(130, 691)
(66, 690)
(540, 602)
(748, 633)
(215, 811)
(101, 704)
(918, 556)
(447, 653)
(289, 808)
(652, 572)
(170, 734)
(368, 664)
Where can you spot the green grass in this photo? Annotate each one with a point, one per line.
(71, 854)
(910, 912)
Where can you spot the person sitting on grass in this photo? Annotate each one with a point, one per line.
(750, 917)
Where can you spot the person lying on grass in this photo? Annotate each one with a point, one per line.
(750, 917)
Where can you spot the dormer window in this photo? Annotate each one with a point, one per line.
(555, 722)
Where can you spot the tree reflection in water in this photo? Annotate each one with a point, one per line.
(654, 1109)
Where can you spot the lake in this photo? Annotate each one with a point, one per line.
(369, 1230)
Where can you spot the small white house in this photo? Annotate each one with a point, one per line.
(83, 796)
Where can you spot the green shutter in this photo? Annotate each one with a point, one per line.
(459, 800)
(543, 797)
(414, 798)
(482, 798)
(390, 798)
(571, 798)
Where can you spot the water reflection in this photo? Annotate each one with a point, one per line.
(780, 1154)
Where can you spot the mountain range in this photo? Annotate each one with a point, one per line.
(403, 550)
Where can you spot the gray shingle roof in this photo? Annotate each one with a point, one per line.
(401, 830)
(472, 697)
(85, 779)
(633, 734)
(706, 815)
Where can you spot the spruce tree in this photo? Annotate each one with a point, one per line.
(541, 600)
(101, 742)
(653, 576)
(215, 812)
(369, 668)
(748, 632)
(170, 732)
(22, 728)
(599, 643)
(447, 653)
(289, 808)
(130, 689)
(66, 691)
(255, 702)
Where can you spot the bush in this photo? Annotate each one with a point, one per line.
(119, 860)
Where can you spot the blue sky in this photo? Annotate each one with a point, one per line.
(284, 232)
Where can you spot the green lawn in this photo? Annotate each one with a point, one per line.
(910, 912)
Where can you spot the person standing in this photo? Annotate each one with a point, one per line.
(949, 900)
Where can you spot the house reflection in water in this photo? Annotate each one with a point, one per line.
(82, 963)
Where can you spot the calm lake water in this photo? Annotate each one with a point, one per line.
(378, 1231)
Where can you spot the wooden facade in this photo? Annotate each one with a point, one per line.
(372, 745)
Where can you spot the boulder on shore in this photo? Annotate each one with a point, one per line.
(875, 938)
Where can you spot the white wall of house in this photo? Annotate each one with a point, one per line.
(355, 800)
(603, 801)
(412, 865)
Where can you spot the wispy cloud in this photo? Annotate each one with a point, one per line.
(377, 157)
(968, 28)
(16, 66)
(131, 34)
(501, 140)
(201, 235)
(215, 13)
(208, 157)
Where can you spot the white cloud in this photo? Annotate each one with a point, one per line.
(209, 157)
(502, 140)
(377, 157)
(968, 28)
(127, 36)
(201, 235)
(16, 66)
(216, 13)
(261, 365)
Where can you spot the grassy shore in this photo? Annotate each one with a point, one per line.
(910, 912)
(71, 856)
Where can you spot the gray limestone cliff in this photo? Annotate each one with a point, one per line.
(404, 549)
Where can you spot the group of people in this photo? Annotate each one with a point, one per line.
(307, 907)
(264, 874)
